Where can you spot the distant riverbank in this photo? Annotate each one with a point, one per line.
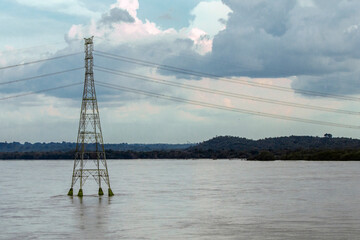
(310, 155)
(223, 147)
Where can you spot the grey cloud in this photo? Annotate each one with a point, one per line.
(284, 38)
(262, 38)
(116, 15)
(153, 51)
(339, 83)
(222, 21)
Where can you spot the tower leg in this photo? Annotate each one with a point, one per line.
(101, 192)
(70, 193)
(80, 193)
(110, 192)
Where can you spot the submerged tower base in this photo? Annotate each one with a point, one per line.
(71, 192)
(80, 193)
(110, 192)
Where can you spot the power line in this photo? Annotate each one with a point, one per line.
(212, 76)
(40, 60)
(40, 91)
(40, 76)
(224, 93)
(232, 109)
(31, 47)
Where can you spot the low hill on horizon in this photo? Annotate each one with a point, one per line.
(219, 143)
(223, 147)
(277, 143)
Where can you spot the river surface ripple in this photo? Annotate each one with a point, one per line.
(183, 199)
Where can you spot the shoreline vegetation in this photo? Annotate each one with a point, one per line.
(225, 147)
(310, 155)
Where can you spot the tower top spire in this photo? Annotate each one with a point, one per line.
(89, 40)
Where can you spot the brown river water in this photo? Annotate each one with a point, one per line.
(183, 199)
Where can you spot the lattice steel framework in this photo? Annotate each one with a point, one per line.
(90, 146)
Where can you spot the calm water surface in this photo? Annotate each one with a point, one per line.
(183, 199)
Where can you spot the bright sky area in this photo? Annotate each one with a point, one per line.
(243, 50)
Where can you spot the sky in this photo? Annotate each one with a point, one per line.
(238, 46)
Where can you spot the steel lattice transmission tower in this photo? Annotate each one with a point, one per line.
(90, 159)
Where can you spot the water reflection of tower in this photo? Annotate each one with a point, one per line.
(89, 146)
(90, 217)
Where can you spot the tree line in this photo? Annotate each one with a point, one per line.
(328, 154)
(223, 147)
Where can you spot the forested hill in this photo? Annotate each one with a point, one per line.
(278, 143)
(67, 146)
(226, 147)
(223, 143)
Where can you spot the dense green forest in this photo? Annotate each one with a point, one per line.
(278, 143)
(224, 147)
(68, 146)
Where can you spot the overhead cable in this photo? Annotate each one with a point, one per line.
(224, 93)
(40, 76)
(30, 47)
(232, 109)
(41, 91)
(40, 60)
(213, 76)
